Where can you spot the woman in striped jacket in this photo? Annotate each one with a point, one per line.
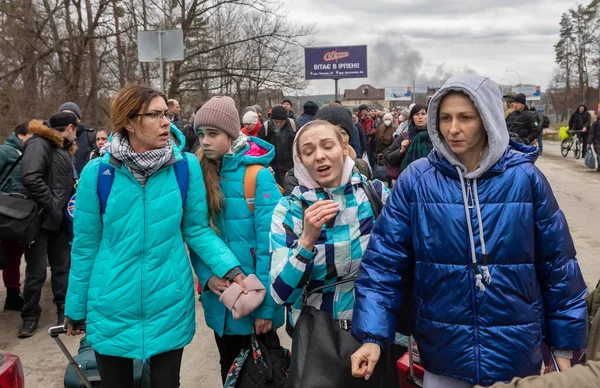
(319, 232)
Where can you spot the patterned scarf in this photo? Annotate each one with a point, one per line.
(238, 144)
(142, 165)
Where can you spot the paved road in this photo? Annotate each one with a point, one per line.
(576, 188)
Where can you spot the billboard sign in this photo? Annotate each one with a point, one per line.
(335, 62)
(532, 93)
(398, 94)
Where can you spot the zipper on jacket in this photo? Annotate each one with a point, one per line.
(142, 271)
(473, 291)
(470, 198)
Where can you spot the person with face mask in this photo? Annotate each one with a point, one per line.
(478, 313)
(225, 155)
(280, 131)
(316, 237)
(131, 281)
(385, 134)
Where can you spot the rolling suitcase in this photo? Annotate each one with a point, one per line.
(11, 371)
(410, 372)
(82, 371)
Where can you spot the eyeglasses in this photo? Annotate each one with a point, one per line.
(156, 115)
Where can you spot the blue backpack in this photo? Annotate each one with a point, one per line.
(106, 178)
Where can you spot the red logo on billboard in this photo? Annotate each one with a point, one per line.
(335, 55)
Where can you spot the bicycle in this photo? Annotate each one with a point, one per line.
(573, 142)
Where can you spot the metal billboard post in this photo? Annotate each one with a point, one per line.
(160, 61)
(336, 88)
(168, 47)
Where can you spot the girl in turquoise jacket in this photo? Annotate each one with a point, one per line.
(225, 154)
(130, 278)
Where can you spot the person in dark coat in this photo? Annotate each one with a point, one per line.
(280, 131)
(310, 110)
(287, 104)
(48, 177)
(522, 122)
(85, 137)
(13, 250)
(474, 238)
(342, 118)
(581, 120)
(594, 138)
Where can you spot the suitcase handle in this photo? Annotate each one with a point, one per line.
(54, 332)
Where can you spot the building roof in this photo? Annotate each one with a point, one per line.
(364, 92)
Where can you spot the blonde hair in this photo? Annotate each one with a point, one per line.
(318, 123)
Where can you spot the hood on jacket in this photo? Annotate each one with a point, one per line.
(257, 151)
(584, 108)
(37, 127)
(14, 141)
(487, 98)
(304, 178)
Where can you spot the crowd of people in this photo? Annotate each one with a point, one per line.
(431, 221)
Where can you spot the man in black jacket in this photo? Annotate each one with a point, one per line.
(581, 120)
(86, 138)
(48, 177)
(522, 122)
(280, 131)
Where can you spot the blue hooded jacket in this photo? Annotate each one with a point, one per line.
(246, 234)
(485, 257)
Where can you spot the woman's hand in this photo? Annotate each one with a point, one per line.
(563, 364)
(314, 218)
(73, 332)
(263, 326)
(404, 145)
(365, 359)
(218, 285)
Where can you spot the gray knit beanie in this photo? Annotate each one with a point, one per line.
(219, 112)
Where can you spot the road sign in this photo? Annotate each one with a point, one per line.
(160, 46)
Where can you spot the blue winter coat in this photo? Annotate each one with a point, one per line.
(421, 249)
(130, 274)
(247, 236)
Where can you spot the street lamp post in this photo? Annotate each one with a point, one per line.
(512, 71)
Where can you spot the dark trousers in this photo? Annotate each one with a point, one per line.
(117, 372)
(12, 273)
(229, 347)
(55, 246)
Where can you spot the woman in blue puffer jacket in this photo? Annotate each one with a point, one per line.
(474, 237)
(130, 278)
(225, 154)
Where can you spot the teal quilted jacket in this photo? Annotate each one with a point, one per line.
(130, 274)
(247, 236)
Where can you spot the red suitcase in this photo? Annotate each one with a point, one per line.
(11, 371)
(410, 371)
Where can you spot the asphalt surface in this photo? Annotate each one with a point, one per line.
(576, 187)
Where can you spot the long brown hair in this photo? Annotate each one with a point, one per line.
(212, 182)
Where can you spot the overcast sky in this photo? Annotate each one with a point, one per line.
(437, 38)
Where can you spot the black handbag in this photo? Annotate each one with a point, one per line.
(20, 215)
(321, 351)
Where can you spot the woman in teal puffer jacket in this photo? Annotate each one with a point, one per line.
(130, 275)
(225, 154)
